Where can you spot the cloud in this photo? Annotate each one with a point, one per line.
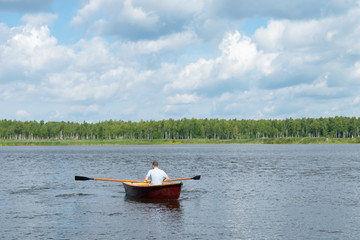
(281, 35)
(356, 100)
(356, 70)
(183, 99)
(239, 58)
(140, 20)
(25, 5)
(307, 50)
(137, 15)
(22, 114)
(136, 20)
(92, 55)
(27, 51)
(173, 42)
(317, 90)
(177, 59)
(4, 32)
(279, 9)
(310, 100)
(93, 108)
(39, 19)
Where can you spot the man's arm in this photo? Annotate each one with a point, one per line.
(147, 177)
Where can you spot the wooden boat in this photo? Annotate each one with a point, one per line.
(154, 192)
(143, 190)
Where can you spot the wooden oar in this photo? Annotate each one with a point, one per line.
(181, 179)
(81, 178)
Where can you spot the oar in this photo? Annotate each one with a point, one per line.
(180, 179)
(81, 178)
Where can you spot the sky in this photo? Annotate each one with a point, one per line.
(132, 60)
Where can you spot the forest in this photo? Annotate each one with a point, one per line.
(332, 127)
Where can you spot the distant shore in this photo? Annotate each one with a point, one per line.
(290, 140)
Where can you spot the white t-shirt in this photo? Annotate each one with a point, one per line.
(157, 176)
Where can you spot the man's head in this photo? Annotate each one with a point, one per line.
(155, 164)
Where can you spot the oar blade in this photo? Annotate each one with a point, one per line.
(196, 177)
(81, 178)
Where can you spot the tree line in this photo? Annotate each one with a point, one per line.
(332, 127)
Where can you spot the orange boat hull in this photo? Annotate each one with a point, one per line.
(153, 192)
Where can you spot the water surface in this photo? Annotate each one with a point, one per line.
(245, 192)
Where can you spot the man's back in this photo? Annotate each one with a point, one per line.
(157, 176)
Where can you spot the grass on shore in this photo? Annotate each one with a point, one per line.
(54, 142)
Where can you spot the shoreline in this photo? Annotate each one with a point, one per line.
(70, 142)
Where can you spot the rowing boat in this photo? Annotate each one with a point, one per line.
(143, 190)
(155, 192)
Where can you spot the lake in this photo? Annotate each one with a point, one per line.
(245, 192)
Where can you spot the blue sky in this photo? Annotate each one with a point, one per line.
(96, 60)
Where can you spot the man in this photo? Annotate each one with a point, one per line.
(156, 176)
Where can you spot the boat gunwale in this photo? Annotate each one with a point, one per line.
(140, 185)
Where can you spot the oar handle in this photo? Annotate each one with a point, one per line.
(177, 179)
(117, 180)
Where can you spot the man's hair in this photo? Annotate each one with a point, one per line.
(155, 163)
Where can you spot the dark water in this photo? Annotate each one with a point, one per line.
(245, 192)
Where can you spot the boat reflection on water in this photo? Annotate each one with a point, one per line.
(155, 213)
(170, 204)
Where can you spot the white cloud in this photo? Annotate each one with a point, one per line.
(93, 108)
(24, 5)
(84, 14)
(356, 100)
(174, 7)
(307, 50)
(193, 76)
(39, 19)
(28, 50)
(183, 98)
(270, 38)
(165, 62)
(239, 57)
(93, 55)
(137, 15)
(4, 32)
(174, 108)
(105, 17)
(281, 35)
(22, 114)
(316, 90)
(137, 20)
(79, 86)
(173, 42)
(280, 9)
(115, 11)
(356, 70)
